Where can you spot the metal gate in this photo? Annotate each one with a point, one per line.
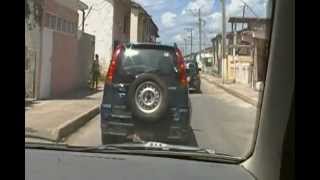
(30, 72)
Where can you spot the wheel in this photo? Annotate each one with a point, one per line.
(148, 98)
(198, 88)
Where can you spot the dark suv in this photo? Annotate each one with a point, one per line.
(146, 95)
(193, 76)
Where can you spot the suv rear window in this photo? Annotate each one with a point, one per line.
(191, 68)
(140, 60)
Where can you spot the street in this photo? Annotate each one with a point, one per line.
(219, 121)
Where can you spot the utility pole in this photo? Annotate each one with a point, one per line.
(234, 29)
(83, 19)
(185, 46)
(223, 37)
(200, 33)
(191, 39)
(243, 12)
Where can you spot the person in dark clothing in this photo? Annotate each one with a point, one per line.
(95, 73)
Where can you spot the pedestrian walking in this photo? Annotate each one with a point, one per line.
(95, 73)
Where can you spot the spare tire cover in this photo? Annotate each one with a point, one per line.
(148, 98)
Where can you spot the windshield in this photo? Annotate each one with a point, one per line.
(153, 75)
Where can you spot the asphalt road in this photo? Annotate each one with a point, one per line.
(219, 121)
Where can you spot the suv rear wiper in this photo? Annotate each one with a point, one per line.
(147, 148)
(151, 145)
(167, 150)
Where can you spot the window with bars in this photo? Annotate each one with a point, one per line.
(59, 24)
(47, 20)
(53, 22)
(64, 25)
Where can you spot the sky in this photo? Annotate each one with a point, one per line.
(174, 16)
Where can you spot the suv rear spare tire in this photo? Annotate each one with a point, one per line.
(148, 98)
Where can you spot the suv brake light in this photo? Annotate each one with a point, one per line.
(113, 63)
(181, 68)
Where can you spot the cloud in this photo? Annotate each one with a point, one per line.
(168, 19)
(180, 20)
(214, 23)
(194, 5)
(178, 38)
(235, 7)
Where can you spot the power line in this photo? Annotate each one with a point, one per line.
(249, 8)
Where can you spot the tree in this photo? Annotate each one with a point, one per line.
(33, 13)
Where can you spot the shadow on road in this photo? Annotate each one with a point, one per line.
(195, 92)
(83, 93)
(190, 142)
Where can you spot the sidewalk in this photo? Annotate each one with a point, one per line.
(243, 92)
(62, 116)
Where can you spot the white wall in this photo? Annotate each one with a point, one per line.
(45, 73)
(243, 73)
(134, 25)
(99, 23)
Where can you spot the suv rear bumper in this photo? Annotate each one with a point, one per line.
(174, 128)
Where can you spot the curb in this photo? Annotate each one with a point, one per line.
(234, 93)
(74, 124)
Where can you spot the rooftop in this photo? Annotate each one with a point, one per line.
(149, 44)
(248, 20)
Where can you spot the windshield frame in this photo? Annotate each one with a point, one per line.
(257, 122)
(146, 152)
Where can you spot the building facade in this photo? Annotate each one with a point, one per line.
(245, 60)
(55, 41)
(109, 22)
(143, 28)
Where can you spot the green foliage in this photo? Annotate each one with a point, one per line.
(33, 12)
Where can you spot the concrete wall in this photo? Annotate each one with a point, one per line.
(243, 72)
(86, 51)
(46, 63)
(100, 24)
(59, 51)
(64, 64)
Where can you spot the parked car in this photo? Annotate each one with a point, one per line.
(146, 95)
(193, 76)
